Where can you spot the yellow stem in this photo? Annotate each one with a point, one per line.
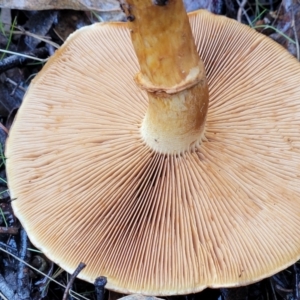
(172, 73)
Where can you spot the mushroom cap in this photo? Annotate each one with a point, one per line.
(88, 189)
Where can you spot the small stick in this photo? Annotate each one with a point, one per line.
(100, 283)
(9, 230)
(280, 288)
(23, 281)
(17, 85)
(80, 267)
(45, 39)
(296, 35)
(241, 10)
(11, 249)
(296, 282)
(2, 296)
(4, 128)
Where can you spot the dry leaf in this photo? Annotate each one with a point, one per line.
(105, 6)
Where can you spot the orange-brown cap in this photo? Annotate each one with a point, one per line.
(89, 190)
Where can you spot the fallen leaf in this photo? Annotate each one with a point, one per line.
(104, 6)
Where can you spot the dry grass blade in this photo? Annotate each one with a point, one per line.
(23, 55)
(3, 297)
(295, 34)
(45, 39)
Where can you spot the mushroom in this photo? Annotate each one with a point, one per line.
(114, 159)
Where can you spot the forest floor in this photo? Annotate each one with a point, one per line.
(31, 37)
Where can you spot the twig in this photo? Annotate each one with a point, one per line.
(296, 282)
(36, 36)
(100, 283)
(295, 34)
(272, 287)
(277, 14)
(23, 285)
(280, 288)
(241, 10)
(11, 249)
(3, 128)
(9, 230)
(43, 283)
(45, 39)
(17, 85)
(2, 296)
(20, 59)
(73, 277)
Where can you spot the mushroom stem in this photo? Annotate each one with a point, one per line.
(172, 73)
